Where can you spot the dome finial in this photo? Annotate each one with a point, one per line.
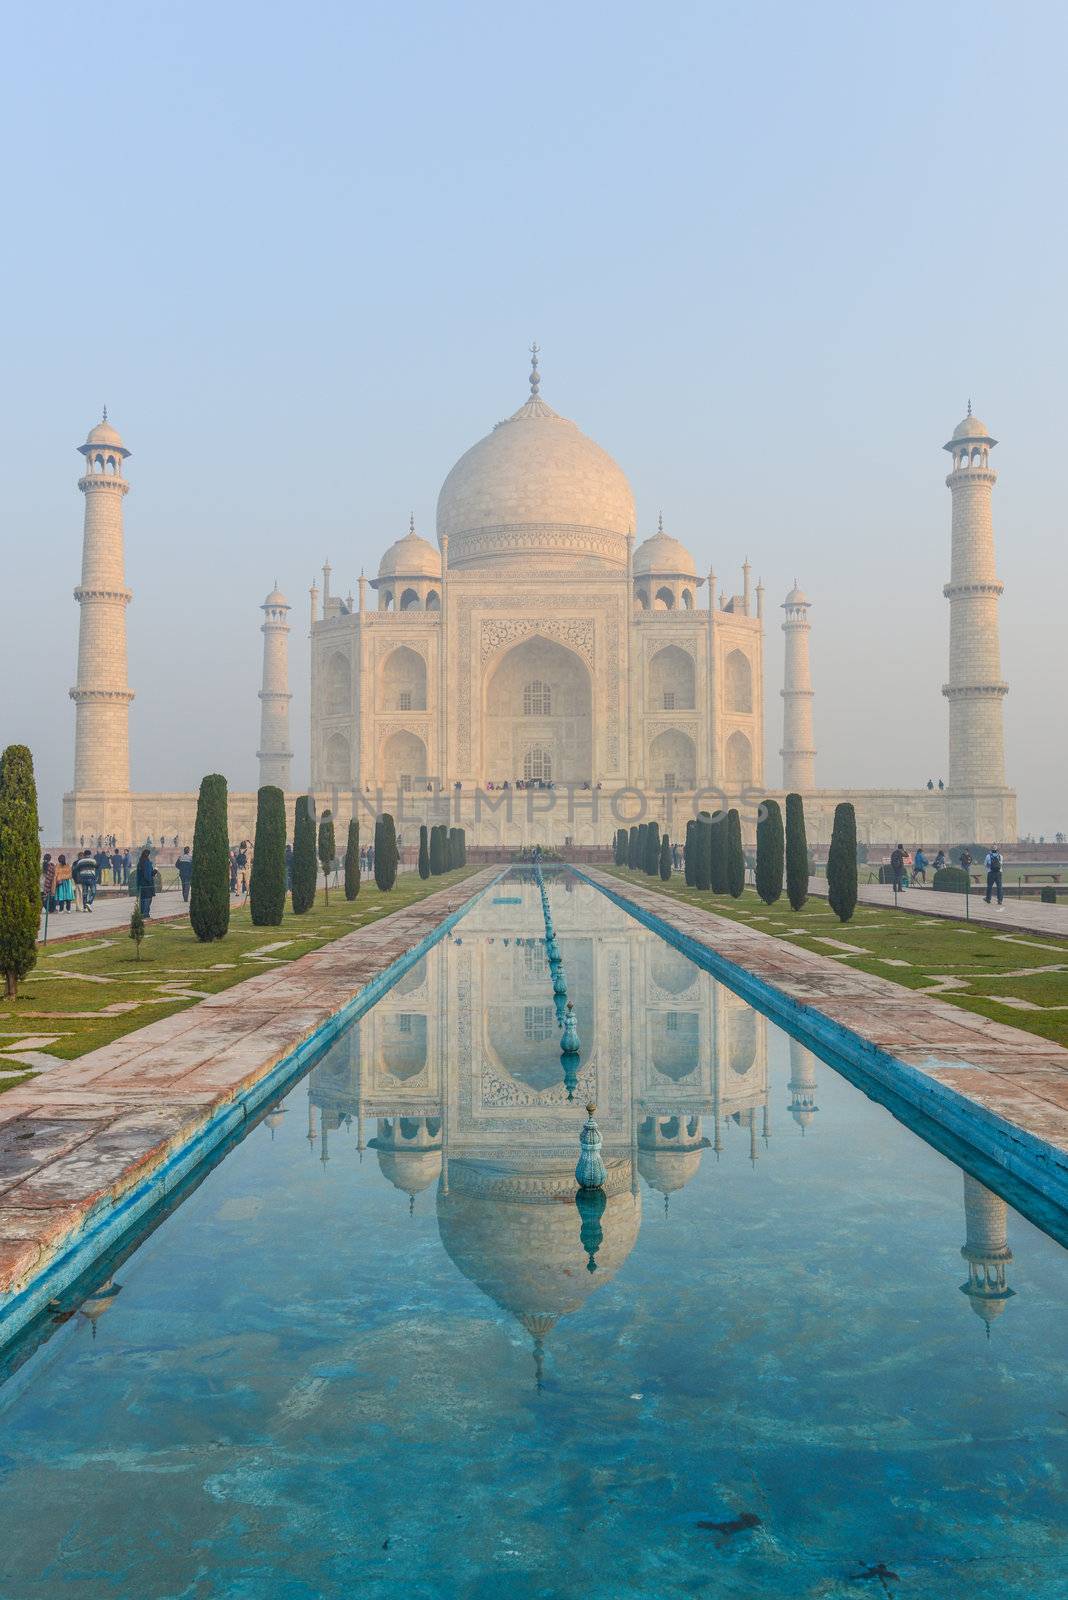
(105, 416)
(660, 522)
(535, 375)
(969, 405)
(411, 523)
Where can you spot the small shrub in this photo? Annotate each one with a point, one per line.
(327, 851)
(137, 929)
(1048, 895)
(950, 880)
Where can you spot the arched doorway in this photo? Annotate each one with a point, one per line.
(538, 715)
(404, 762)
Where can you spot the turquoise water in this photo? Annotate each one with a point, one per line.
(367, 1356)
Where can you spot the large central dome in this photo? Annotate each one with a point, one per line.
(536, 486)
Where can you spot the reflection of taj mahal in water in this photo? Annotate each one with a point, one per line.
(454, 1080)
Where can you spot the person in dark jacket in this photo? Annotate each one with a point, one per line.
(146, 882)
(184, 867)
(897, 866)
(127, 866)
(84, 874)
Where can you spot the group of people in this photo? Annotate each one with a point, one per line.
(65, 885)
(906, 867)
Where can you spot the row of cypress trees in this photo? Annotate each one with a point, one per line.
(314, 850)
(441, 849)
(643, 848)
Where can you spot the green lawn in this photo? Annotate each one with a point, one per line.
(977, 968)
(89, 991)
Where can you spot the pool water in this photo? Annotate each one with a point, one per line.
(381, 1351)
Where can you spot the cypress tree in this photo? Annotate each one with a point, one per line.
(842, 862)
(267, 886)
(796, 852)
(305, 868)
(702, 851)
(461, 847)
(688, 850)
(437, 849)
(385, 852)
(619, 855)
(652, 849)
(20, 867)
(735, 854)
(452, 853)
(352, 861)
(632, 848)
(717, 866)
(665, 858)
(424, 852)
(769, 857)
(327, 851)
(209, 893)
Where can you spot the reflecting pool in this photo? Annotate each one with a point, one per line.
(381, 1350)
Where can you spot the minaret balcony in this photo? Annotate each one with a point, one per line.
(975, 691)
(992, 586)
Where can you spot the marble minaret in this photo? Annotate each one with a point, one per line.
(986, 1250)
(274, 753)
(101, 695)
(975, 690)
(798, 745)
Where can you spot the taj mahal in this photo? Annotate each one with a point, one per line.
(539, 672)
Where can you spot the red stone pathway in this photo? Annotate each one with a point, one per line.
(76, 1140)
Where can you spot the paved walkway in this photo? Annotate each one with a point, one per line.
(1002, 1090)
(112, 911)
(1028, 915)
(77, 1140)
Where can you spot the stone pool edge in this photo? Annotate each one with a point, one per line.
(1037, 1155)
(101, 1226)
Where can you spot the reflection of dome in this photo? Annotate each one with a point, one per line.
(668, 1170)
(536, 484)
(516, 1235)
(410, 1170)
(410, 557)
(664, 556)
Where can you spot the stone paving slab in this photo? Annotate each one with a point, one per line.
(1001, 1089)
(76, 1142)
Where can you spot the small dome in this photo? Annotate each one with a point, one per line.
(103, 436)
(970, 428)
(797, 596)
(410, 557)
(276, 598)
(669, 1170)
(664, 556)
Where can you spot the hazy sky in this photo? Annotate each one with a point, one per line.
(769, 252)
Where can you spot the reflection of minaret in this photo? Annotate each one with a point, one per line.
(798, 744)
(986, 1250)
(802, 1084)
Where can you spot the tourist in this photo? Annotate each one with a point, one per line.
(241, 864)
(64, 886)
(145, 881)
(48, 884)
(289, 867)
(993, 875)
(940, 861)
(84, 874)
(966, 859)
(116, 866)
(127, 866)
(184, 868)
(233, 871)
(919, 866)
(897, 867)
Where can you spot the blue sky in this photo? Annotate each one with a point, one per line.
(768, 251)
